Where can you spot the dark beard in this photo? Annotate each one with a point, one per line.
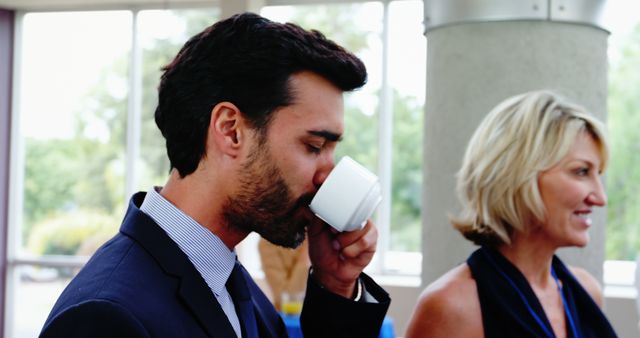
(265, 205)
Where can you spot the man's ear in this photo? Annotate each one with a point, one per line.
(227, 128)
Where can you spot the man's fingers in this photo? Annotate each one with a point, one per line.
(358, 242)
(350, 237)
(362, 246)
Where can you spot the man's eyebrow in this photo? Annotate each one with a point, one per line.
(331, 136)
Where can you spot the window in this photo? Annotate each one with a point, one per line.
(84, 138)
(70, 188)
(407, 82)
(161, 34)
(383, 120)
(76, 147)
(623, 177)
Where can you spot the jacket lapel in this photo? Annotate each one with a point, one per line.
(193, 290)
(197, 296)
(264, 324)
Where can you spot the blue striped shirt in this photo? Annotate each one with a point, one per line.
(206, 251)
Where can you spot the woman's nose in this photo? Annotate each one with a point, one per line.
(598, 196)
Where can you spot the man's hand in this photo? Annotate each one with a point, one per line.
(339, 258)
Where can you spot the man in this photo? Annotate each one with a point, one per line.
(251, 111)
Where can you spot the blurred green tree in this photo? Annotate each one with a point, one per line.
(361, 126)
(74, 187)
(623, 175)
(84, 176)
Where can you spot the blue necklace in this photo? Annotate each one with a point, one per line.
(547, 330)
(565, 304)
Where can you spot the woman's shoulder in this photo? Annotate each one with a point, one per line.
(457, 281)
(589, 283)
(448, 307)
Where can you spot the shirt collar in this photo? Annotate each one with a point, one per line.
(206, 251)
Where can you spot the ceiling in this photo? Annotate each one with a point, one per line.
(46, 5)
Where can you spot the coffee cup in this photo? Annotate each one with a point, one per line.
(348, 196)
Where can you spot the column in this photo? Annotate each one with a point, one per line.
(479, 53)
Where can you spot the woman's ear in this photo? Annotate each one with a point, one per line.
(226, 128)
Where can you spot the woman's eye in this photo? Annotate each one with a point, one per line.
(584, 171)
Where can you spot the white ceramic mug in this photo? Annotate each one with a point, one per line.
(348, 196)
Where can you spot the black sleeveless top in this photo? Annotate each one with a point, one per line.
(510, 308)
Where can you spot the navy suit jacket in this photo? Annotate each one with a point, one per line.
(140, 284)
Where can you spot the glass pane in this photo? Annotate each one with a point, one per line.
(356, 27)
(623, 175)
(73, 106)
(35, 291)
(407, 77)
(161, 34)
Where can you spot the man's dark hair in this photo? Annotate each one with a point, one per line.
(246, 60)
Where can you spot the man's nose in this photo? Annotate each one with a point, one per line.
(325, 166)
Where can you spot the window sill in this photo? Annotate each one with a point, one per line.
(397, 280)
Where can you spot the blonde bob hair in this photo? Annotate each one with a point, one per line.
(518, 140)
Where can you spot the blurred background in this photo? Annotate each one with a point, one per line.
(77, 136)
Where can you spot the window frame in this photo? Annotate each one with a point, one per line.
(14, 260)
(11, 210)
(7, 24)
(382, 263)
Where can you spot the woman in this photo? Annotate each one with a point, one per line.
(529, 181)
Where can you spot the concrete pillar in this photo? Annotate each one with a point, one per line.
(479, 53)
